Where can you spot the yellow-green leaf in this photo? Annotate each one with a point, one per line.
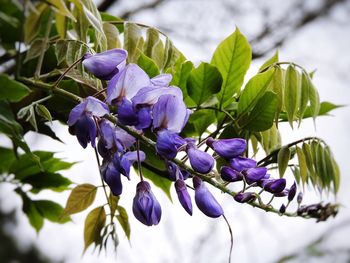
(302, 164)
(124, 221)
(292, 93)
(112, 35)
(61, 8)
(282, 160)
(304, 96)
(269, 62)
(80, 198)
(42, 111)
(94, 223)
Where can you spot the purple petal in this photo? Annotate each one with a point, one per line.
(228, 148)
(127, 83)
(112, 178)
(169, 113)
(230, 175)
(245, 197)
(104, 65)
(205, 201)
(242, 163)
(145, 207)
(127, 160)
(85, 130)
(292, 192)
(107, 133)
(253, 175)
(122, 139)
(168, 144)
(144, 118)
(126, 113)
(183, 196)
(201, 162)
(162, 80)
(275, 186)
(282, 194)
(96, 107)
(150, 95)
(76, 113)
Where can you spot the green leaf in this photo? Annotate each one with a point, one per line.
(203, 82)
(201, 120)
(80, 198)
(181, 73)
(31, 211)
(304, 99)
(112, 35)
(262, 115)
(94, 223)
(113, 203)
(171, 55)
(232, 57)
(132, 34)
(302, 165)
(32, 22)
(314, 100)
(36, 48)
(277, 86)
(283, 159)
(7, 156)
(42, 111)
(292, 93)
(270, 139)
(148, 65)
(60, 25)
(152, 40)
(51, 211)
(124, 221)
(269, 62)
(309, 162)
(61, 8)
(45, 180)
(254, 90)
(12, 90)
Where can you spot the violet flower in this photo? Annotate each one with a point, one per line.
(169, 113)
(125, 162)
(205, 201)
(81, 117)
(145, 206)
(168, 144)
(183, 195)
(275, 186)
(126, 84)
(292, 192)
(201, 162)
(253, 175)
(161, 80)
(106, 64)
(241, 163)
(227, 148)
(230, 175)
(112, 177)
(245, 197)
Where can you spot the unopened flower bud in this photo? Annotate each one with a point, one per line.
(183, 195)
(282, 209)
(241, 163)
(245, 197)
(292, 192)
(106, 64)
(168, 144)
(205, 201)
(145, 206)
(227, 148)
(230, 175)
(275, 185)
(201, 162)
(253, 175)
(300, 197)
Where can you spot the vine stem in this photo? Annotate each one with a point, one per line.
(151, 144)
(231, 236)
(103, 183)
(138, 159)
(267, 160)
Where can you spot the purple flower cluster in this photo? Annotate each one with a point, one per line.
(151, 104)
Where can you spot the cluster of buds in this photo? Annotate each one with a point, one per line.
(151, 105)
